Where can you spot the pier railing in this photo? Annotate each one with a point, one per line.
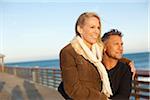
(51, 77)
(141, 85)
(46, 76)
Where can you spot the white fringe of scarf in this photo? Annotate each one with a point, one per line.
(95, 57)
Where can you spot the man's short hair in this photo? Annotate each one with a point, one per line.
(110, 33)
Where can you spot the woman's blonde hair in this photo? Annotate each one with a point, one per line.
(81, 21)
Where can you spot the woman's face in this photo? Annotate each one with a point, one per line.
(90, 30)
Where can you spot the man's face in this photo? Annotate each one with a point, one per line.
(114, 47)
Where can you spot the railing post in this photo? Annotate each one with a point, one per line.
(47, 77)
(2, 69)
(15, 71)
(136, 88)
(54, 78)
(34, 75)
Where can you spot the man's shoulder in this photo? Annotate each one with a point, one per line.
(125, 69)
(123, 66)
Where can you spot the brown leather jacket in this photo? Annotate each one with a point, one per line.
(80, 77)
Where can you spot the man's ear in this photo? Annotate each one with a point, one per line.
(104, 48)
(80, 30)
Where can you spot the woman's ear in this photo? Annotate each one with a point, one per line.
(80, 30)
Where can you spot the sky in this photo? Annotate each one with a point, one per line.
(38, 30)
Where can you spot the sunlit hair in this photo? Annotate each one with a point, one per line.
(81, 21)
(110, 33)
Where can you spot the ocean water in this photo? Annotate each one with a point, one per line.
(141, 61)
(40, 63)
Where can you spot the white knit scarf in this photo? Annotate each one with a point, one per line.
(95, 57)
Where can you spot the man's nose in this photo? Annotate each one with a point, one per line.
(120, 47)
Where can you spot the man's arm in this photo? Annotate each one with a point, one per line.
(131, 64)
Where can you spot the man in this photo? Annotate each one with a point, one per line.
(119, 73)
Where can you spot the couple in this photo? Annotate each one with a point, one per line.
(93, 69)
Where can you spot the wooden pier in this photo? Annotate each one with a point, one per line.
(41, 84)
(15, 88)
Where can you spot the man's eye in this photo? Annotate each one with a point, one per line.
(115, 43)
(92, 26)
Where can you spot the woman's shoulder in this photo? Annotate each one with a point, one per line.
(68, 47)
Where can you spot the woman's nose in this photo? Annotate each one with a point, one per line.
(97, 31)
